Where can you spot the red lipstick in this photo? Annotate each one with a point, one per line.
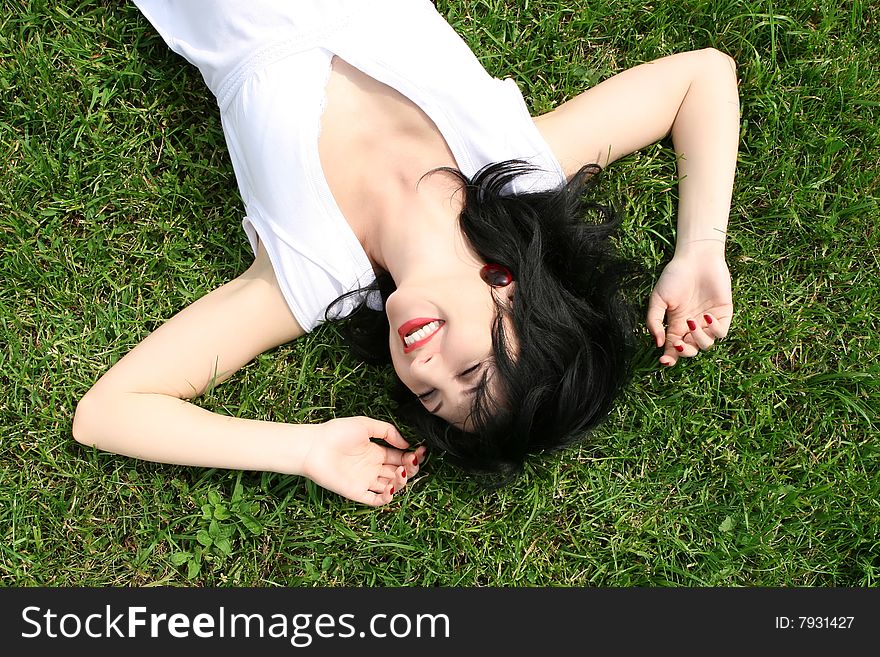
(413, 325)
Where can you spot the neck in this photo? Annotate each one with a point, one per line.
(417, 234)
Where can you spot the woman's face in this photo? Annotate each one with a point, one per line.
(441, 340)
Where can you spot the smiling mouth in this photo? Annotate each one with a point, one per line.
(417, 332)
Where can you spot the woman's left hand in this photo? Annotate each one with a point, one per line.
(694, 295)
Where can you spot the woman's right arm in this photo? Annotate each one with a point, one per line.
(139, 408)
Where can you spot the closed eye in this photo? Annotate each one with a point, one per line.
(465, 375)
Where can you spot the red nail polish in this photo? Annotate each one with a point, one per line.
(679, 348)
(708, 319)
(403, 473)
(692, 325)
(415, 460)
(391, 492)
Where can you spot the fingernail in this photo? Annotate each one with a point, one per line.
(679, 348)
(708, 319)
(692, 325)
(403, 472)
(391, 492)
(415, 460)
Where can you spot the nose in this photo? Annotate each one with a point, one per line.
(425, 367)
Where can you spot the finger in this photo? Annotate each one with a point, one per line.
(371, 499)
(385, 431)
(701, 339)
(674, 351)
(383, 490)
(376, 499)
(380, 485)
(411, 461)
(394, 457)
(656, 312)
(679, 348)
(388, 471)
(688, 349)
(400, 478)
(376, 495)
(670, 353)
(717, 326)
(674, 347)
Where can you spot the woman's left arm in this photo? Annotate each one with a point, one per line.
(693, 96)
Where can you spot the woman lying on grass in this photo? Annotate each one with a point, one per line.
(387, 176)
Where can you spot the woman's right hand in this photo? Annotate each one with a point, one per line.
(344, 458)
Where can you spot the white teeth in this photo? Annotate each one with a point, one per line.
(421, 333)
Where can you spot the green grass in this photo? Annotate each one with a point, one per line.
(755, 464)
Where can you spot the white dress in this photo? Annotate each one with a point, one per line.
(268, 63)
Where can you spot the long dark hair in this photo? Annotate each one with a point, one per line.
(574, 333)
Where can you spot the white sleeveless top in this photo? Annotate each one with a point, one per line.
(268, 63)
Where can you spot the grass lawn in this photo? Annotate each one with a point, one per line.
(754, 464)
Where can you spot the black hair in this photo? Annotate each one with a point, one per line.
(574, 332)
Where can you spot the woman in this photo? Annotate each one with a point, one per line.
(374, 154)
